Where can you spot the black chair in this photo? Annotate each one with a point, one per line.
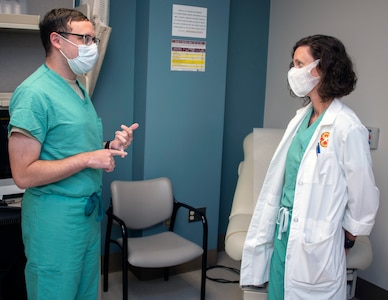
(142, 204)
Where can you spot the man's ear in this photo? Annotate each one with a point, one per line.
(55, 40)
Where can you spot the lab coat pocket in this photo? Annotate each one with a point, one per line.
(326, 166)
(319, 167)
(314, 259)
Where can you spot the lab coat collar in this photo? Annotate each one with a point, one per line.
(330, 115)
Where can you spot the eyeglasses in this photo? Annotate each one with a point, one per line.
(88, 39)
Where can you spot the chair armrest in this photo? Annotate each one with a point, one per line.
(236, 234)
(361, 255)
(177, 206)
(121, 223)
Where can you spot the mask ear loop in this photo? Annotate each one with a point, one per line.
(63, 54)
(67, 40)
(313, 65)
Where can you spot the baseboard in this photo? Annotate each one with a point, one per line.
(368, 291)
(153, 273)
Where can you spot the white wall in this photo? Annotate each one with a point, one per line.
(362, 27)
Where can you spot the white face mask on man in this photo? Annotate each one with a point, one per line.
(301, 81)
(86, 59)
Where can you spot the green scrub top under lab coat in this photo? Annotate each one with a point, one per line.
(294, 157)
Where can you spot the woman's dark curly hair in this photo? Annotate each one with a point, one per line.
(58, 20)
(335, 66)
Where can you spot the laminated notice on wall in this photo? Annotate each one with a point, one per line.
(189, 21)
(188, 55)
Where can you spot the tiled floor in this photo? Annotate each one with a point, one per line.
(183, 286)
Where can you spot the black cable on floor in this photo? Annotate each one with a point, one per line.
(222, 280)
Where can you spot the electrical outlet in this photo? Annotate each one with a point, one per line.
(194, 217)
(373, 137)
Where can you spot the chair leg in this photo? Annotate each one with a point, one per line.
(203, 275)
(106, 252)
(125, 277)
(352, 284)
(106, 269)
(106, 263)
(166, 273)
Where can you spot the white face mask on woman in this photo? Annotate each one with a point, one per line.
(86, 59)
(301, 81)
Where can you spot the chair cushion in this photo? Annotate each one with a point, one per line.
(360, 256)
(165, 249)
(236, 234)
(258, 147)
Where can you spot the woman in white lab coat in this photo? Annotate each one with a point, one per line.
(319, 192)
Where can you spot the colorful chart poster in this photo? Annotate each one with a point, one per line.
(188, 55)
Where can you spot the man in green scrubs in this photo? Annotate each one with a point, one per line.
(58, 155)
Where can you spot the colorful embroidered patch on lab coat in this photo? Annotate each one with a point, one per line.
(324, 140)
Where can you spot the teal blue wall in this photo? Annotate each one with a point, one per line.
(191, 123)
(245, 89)
(183, 112)
(113, 96)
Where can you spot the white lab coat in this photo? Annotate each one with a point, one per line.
(335, 190)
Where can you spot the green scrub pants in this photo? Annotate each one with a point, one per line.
(278, 260)
(62, 246)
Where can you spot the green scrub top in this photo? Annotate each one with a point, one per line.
(59, 220)
(50, 110)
